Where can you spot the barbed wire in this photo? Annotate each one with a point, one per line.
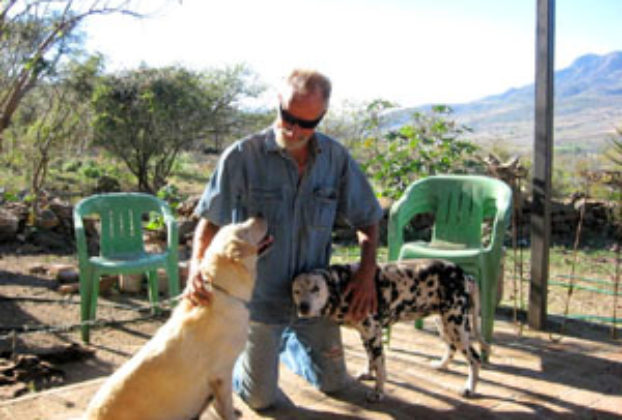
(157, 310)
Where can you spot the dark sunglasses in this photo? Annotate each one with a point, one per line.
(291, 120)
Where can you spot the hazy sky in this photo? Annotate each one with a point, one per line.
(409, 51)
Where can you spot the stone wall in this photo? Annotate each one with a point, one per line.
(52, 229)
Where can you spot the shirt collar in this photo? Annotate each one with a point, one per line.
(271, 145)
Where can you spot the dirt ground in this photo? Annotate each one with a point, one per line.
(29, 300)
(33, 360)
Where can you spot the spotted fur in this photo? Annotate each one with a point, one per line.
(406, 290)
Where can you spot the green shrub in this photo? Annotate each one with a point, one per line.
(430, 144)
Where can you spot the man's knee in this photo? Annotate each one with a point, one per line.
(333, 376)
(258, 399)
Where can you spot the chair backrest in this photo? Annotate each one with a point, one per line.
(460, 204)
(120, 217)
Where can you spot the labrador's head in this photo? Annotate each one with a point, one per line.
(242, 242)
(232, 255)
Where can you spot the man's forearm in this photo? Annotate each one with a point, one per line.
(203, 235)
(368, 242)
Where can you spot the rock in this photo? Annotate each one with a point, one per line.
(186, 229)
(62, 209)
(47, 219)
(69, 275)
(38, 269)
(107, 184)
(131, 283)
(9, 225)
(105, 285)
(186, 209)
(52, 241)
(67, 289)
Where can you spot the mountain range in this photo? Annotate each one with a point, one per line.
(587, 108)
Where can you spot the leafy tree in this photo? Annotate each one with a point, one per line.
(35, 35)
(352, 121)
(430, 144)
(147, 116)
(615, 151)
(224, 89)
(52, 120)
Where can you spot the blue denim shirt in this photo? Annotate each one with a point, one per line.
(255, 177)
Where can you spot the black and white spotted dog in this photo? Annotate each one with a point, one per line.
(406, 290)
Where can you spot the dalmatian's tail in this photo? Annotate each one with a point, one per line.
(473, 291)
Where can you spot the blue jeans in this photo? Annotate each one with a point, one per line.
(310, 348)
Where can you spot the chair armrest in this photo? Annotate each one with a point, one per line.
(414, 201)
(172, 237)
(501, 220)
(82, 249)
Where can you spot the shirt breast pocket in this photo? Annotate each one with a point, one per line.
(324, 208)
(267, 203)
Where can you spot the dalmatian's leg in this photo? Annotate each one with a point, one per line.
(372, 341)
(367, 373)
(473, 360)
(450, 349)
(461, 339)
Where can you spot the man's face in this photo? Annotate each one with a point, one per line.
(304, 108)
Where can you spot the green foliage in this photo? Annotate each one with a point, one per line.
(71, 166)
(430, 144)
(91, 170)
(10, 196)
(352, 121)
(169, 193)
(146, 117)
(36, 39)
(614, 154)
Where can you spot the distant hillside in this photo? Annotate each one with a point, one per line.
(588, 107)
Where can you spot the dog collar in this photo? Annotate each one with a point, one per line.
(225, 291)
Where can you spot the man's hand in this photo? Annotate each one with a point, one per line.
(364, 300)
(195, 290)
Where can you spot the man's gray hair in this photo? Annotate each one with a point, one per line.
(305, 81)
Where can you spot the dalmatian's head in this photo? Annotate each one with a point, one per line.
(310, 293)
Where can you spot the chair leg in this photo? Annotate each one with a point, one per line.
(95, 276)
(488, 294)
(172, 271)
(152, 281)
(86, 287)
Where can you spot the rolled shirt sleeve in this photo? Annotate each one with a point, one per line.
(222, 199)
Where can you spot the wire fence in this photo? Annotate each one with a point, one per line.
(153, 311)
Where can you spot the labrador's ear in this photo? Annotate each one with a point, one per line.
(238, 249)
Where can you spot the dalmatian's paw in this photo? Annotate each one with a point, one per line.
(374, 396)
(365, 376)
(438, 364)
(467, 393)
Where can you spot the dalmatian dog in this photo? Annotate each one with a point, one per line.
(406, 290)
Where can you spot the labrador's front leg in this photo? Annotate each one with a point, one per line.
(223, 398)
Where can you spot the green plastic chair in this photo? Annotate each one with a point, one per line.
(460, 205)
(122, 249)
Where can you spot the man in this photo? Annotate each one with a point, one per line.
(300, 181)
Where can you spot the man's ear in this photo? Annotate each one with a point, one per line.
(238, 249)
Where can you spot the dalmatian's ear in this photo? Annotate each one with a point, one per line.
(237, 249)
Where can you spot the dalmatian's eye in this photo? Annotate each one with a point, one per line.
(315, 289)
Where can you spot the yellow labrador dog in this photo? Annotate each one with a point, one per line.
(189, 361)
